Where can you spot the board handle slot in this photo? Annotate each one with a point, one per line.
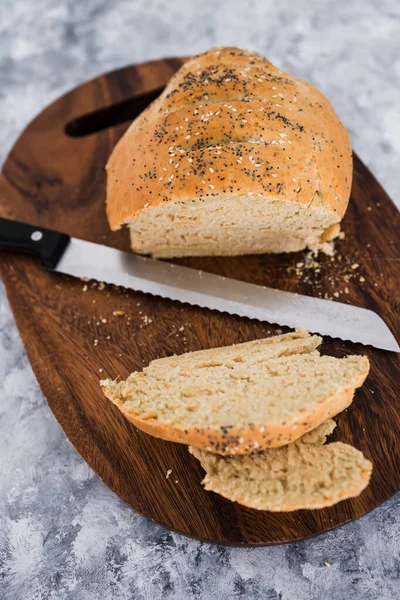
(118, 113)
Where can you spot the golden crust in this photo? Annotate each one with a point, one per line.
(231, 124)
(250, 437)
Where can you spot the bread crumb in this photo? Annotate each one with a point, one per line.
(362, 279)
(84, 289)
(119, 313)
(101, 285)
(146, 320)
(168, 473)
(100, 370)
(336, 294)
(104, 320)
(176, 481)
(327, 563)
(355, 266)
(95, 342)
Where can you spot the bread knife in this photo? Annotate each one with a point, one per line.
(70, 256)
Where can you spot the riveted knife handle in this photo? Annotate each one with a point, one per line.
(48, 245)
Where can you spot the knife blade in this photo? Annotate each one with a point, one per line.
(83, 259)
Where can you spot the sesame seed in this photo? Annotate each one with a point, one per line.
(177, 165)
(210, 185)
(188, 137)
(160, 178)
(262, 429)
(274, 175)
(211, 170)
(250, 194)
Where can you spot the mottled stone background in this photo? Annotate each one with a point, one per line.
(63, 534)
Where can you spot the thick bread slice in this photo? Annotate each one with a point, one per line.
(234, 157)
(241, 398)
(303, 475)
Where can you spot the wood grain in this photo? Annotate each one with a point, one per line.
(57, 180)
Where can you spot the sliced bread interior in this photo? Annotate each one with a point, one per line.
(302, 475)
(238, 399)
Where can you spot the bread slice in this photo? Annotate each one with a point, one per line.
(234, 157)
(302, 475)
(241, 398)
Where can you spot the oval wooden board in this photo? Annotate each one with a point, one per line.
(55, 180)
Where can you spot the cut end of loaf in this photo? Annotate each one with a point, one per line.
(303, 475)
(232, 226)
(241, 398)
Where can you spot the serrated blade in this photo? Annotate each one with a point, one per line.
(159, 278)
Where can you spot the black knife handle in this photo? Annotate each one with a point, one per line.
(20, 237)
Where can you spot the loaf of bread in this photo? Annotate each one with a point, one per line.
(241, 398)
(234, 157)
(303, 475)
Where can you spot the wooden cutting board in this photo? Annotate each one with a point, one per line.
(54, 177)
